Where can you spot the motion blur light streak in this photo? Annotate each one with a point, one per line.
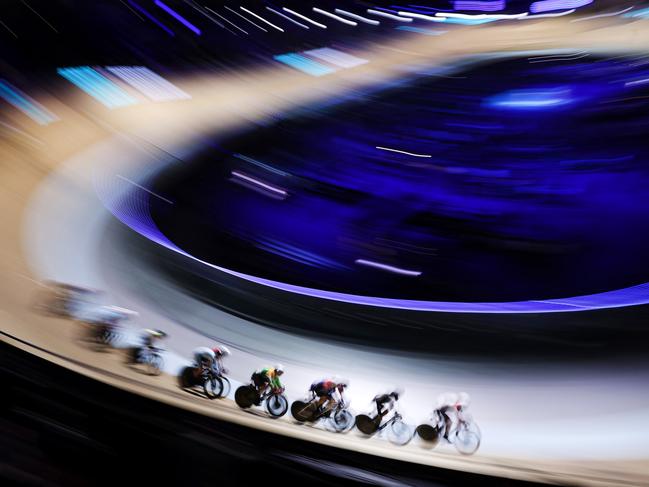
(304, 64)
(304, 17)
(388, 16)
(421, 30)
(403, 152)
(336, 57)
(25, 104)
(178, 17)
(261, 184)
(149, 83)
(244, 18)
(336, 17)
(484, 6)
(262, 19)
(299, 24)
(389, 268)
(357, 17)
(149, 16)
(550, 5)
(532, 99)
(97, 86)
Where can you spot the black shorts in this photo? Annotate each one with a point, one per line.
(321, 391)
(260, 379)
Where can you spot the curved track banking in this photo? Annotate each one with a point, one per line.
(65, 234)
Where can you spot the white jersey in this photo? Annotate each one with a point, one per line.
(204, 353)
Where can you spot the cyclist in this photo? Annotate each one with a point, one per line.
(211, 358)
(387, 400)
(325, 389)
(453, 407)
(148, 339)
(268, 376)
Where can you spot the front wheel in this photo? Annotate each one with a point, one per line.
(226, 386)
(467, 440)
(277, 405)
(245, 396)
(154, 364)
(400, 433)
(340, 422)
(213, 387)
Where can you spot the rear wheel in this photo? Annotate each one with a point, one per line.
(245, 396)
(186, 378)
(277, 405)
(366, 425)
(213, 387)
(428, 432)
(300, 410)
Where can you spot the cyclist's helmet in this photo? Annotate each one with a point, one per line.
(344, 383)
(279, 369)
(396, 393)
(156, 333)
(221, 351)
(462, 401)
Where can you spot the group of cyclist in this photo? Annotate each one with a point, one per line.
(326, 393)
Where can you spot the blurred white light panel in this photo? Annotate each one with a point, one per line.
(335, 57)
(150, 84)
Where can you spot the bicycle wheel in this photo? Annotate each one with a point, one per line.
(366, 425)
(225, 392)
(154, 364)
(301, 411)
(213, 387)
(428, 432)
(277, 405)
(186, 378)
(245, 396)
(340, 421)
(399, 433)
(466, 441)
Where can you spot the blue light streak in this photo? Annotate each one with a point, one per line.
(97, 86)
(304, 64)
(22, 102)
(178, 17)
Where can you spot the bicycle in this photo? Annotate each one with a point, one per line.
(214, 385)
(149, 356)
(276, 403)
(464, 435)
(337, 419)
(399, 432)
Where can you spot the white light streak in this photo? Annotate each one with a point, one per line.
(262, 19)
(423, 17)
(611, 14)
(542, 16)
(389, 268)
(288, 18)
(244, 18)
(221, 16)
(388, 16)
(304, 17)
(334, 16)
(403, 152)
(357, 17)
(261, 184)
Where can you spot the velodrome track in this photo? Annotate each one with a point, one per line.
(56, 227)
